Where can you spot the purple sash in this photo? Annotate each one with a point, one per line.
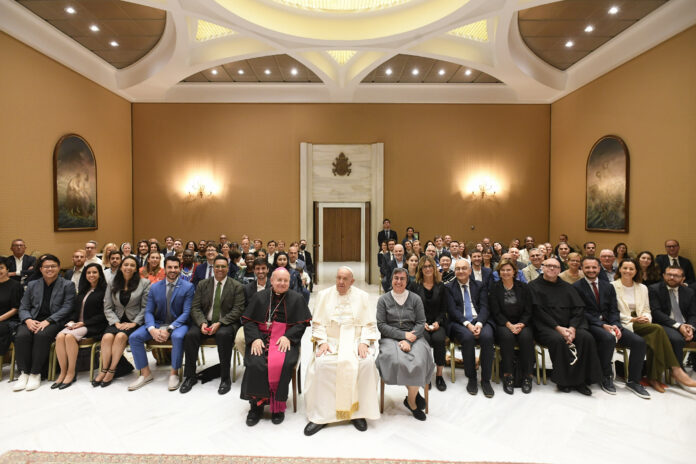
(276, 359)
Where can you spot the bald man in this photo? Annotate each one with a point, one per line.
(342, 379)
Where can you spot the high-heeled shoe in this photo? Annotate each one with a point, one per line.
(105, 384)
(95, 382)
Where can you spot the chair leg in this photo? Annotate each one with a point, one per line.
(381, 396)
(625, 356)
(234, 364)
(452, 360)
(52, 361)
(299, 377)
(536, 363)
(496, 364)
(294, 391)
(427, 397)
(12, 364)
(91, 362)
(543, 363)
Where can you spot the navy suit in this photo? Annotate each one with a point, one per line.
(156, 316)
(27, 262)
(607, 312)
(461, 333)
(486, 276)
(664, 260)
(661, 309)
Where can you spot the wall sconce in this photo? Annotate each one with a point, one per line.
(199, 189)
(482, 187)
(484, 190)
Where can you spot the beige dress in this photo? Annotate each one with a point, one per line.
(80, 332)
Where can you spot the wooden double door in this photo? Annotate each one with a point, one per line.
(341, 235)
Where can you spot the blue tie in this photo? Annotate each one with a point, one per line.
(467, 304)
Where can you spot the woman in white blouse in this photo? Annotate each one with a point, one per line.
(634, 306)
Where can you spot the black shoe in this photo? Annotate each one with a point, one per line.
(417, 413)
(63, 386)
(312, 428)
(563, 389)
(360, 424)
(527, 384)
(188, 384)
(224, 387)
(420, 401)
(638, 389)
(277, 417)
(96, 383)
(584, 389)
(472, 387)
(608, 385)
(254, 416)
(487, 389)
(106, 383)
(508, 384)
(56, 385)
(440, 383)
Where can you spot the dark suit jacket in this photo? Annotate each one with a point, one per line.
(496, 300)
(436, 308)
(306, 256)
(250, 290)
(479, 298)
(382, 236)
(231, 302)
(388, 267)
(663, 261)
(661, 306)
(180, 303)
(62, 300)
(93, 315)
(604, 276)
(607, 311)
(27, 262)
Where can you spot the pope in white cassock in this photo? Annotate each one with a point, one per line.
(342, 380)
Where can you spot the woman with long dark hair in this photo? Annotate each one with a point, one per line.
(87, 321)
(648, 270)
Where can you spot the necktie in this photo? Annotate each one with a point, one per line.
(675, 262)
(170, 288)
(676, 310)
(216, 302)
(468, 313)
(596, 292)
(210, 271)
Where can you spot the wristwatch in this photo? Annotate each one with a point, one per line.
(170, 328)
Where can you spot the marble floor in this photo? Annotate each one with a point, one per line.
(544, 426)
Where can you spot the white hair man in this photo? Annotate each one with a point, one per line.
(342, 379)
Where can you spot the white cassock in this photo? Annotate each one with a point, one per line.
(340, 385)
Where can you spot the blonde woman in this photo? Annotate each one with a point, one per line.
(573, 273)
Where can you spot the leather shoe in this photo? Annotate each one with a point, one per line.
(360, 424)
(225, 386)
(139, 382)
(527, 384)
(188, 384)
(277, 417)
(254, 416)
(311, 428)
(417, 413)
(56, 385)
(63, 386)
(608, 385)
(508, 384)
(584, 389)
(173, 383)
(487, 389)
(440, 383)
(563, 389)
(420, 401)
(471, 386)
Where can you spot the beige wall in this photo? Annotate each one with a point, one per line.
(41, 101)
(252, 152)
(650, 102)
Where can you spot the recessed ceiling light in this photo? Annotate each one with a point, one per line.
(214, 72)
(293, 71)
(441, 72)
(94, 28)
(613, 10)
(388, 72)
(468, 72)
(589, 28)
(113, 43)
(240, 72)
(569, 44)
(415, 71)
(70, 10)
(267, 72)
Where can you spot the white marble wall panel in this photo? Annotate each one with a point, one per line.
(354, 187)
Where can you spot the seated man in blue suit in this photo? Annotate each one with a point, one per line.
(604, 321)
(468, 314)
(166, 315)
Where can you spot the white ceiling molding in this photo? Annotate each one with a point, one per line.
(263, 28)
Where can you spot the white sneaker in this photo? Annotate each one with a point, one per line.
(140, 382)
(34, 382)
(21, 383)
(173, 382)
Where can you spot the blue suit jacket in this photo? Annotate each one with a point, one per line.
(486, 276)
(607, 312)
(479, 297)
(180, 304)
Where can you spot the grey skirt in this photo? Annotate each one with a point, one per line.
(397, 367)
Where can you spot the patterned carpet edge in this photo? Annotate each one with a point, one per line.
(45, 457)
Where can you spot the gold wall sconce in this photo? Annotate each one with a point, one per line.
(484, 190)
(482, 187)
(200, 189)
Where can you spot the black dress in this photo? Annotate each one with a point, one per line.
(558, 304)
(93, 314)
(514, 306)
(10, 297)
(435, 306)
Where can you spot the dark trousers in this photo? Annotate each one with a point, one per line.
(437, 342)
(507, 342)
(466, 339)
(5, 336)
(32, 348)
(606, 343)
(677, 341)
(224, 338)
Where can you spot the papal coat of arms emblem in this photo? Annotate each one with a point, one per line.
(341, 166)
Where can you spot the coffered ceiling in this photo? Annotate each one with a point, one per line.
(411, 51)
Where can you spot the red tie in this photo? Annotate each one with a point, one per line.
(596, 292)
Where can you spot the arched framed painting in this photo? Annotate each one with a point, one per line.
(74, 184)
(607, 177)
